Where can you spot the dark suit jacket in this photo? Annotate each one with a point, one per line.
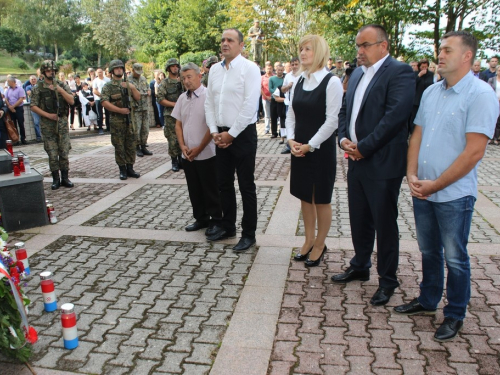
(382, 122)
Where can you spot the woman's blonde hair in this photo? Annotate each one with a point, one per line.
(321, 52)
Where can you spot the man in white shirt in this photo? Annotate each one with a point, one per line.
(231, 112)
(97, 85)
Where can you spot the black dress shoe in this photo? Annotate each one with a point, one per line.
(197, 225)
(350, 275)
(413, 308)
(285, 151)
(315, 263)
(448, 330)
(382, 296)
(221, 234)
(244, 244)
(302, 257)
(212, 228)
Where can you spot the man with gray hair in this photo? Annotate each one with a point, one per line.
(14, 99)
(198, 152)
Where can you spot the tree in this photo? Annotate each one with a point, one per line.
(45, 22)
(108, 26)
(11, 41)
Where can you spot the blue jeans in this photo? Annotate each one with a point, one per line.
(36, 122)
(160, 114)
(444, 225)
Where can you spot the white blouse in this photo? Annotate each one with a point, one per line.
(334, 93)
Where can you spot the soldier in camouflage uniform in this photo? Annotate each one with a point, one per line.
(50, 99)
(168, 92)
(115, 97)
(140, 109)
(210, 61)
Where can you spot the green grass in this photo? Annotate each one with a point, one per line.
(7, 65)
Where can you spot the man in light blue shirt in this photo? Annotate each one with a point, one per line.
(456, 119)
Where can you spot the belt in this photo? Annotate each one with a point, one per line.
(223, 129)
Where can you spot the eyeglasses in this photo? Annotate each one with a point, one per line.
(366, 45)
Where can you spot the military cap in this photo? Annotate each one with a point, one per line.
(211, 61)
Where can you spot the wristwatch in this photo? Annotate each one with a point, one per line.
(311, 148)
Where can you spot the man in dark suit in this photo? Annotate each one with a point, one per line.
(373, 131)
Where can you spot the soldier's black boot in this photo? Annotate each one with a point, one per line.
(145, 151)
(123, 172)
(139, 152)
(56, 183)
(175, 164)
(180, 161)
(131, 172)
(65, 180)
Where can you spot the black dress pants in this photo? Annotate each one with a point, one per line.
(99, 109)
(239, 157)
(18, 118)
(203, 190)
(277, 110)
(373, 208)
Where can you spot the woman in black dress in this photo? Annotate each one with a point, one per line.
(311, 121)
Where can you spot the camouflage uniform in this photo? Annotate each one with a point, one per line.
(55, 133)
(256, 43)
(170, 89)
(339, 72)
(123, 136)
(140, 108)
(210, 61)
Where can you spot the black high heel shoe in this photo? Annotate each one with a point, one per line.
(315, 263)
(301, 258)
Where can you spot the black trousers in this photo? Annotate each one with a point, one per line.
(373, 208)
(18, 118)
(239, 158)
(100, 110)
(203, 190)
(496, 136)
(277, 110)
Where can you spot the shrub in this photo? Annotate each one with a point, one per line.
(196, 57)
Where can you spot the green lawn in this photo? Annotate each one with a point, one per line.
(7, 65)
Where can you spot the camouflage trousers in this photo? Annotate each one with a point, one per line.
(56, 143)
(142, 127)
(123, 139)
(256, 50)
(174, 149)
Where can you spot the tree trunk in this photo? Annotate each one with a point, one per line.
(99, 58)
(56, 53)
(436, 30)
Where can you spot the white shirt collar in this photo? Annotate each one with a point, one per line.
(234, 63)
(375, 66)
(317, 75)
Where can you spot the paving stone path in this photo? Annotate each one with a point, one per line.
(153, 299)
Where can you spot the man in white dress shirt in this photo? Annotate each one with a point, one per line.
(231, 113)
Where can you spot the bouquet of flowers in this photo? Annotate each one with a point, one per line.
(15, 332)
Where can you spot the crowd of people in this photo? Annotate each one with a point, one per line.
(392, 119)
